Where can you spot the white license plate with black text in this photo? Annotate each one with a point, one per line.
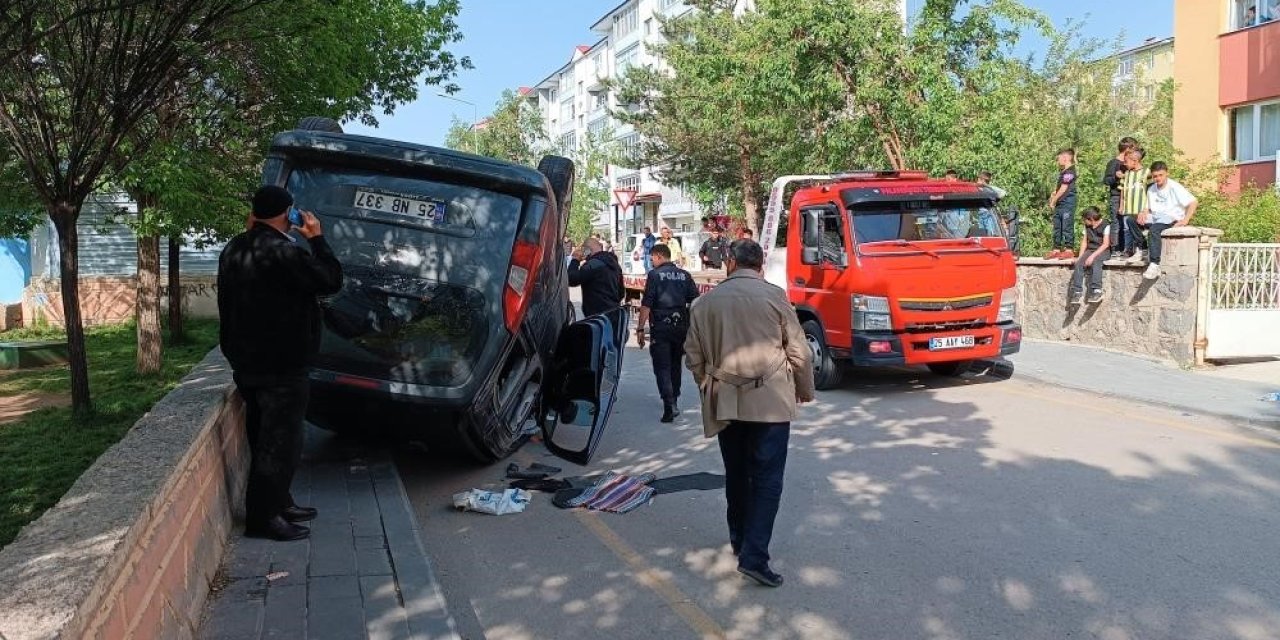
(423, 209)
(952, 342)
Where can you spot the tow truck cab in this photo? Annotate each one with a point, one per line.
(894, 268)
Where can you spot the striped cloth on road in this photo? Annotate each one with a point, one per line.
(616, 493)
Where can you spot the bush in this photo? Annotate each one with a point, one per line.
(1253, 215)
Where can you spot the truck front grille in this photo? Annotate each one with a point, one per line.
(950, 304)
(938, 327)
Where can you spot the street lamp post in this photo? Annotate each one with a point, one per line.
(475, 119)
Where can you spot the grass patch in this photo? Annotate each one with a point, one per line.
(42, 454)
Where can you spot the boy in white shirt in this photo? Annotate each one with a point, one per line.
(1169, 205)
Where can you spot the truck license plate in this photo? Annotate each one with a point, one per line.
(953, 342)
(423, 209)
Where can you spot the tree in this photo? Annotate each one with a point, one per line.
(515, 132)
(208, 140)
(592, 156)
(70, 99)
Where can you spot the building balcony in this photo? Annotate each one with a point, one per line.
(1249, 65)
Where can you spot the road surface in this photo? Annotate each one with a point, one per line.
(914, 507)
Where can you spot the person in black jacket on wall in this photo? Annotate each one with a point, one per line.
(598, 273)
(270, 334)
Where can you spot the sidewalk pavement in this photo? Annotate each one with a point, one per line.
(1220, 391)
(362, 574)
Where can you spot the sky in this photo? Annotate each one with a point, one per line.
(515, 43)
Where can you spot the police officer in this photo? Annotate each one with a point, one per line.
(668, 292)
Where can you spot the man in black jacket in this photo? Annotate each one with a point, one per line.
(714, 250)
(598, 273)
(270, 333)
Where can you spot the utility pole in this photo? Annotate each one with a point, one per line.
(475, 120)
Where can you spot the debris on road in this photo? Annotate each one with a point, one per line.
(498, 503)
(276, 575)
(615, 493)
(1274, 396)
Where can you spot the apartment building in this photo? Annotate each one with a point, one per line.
(575, 103)
(1140, 71)
(1227, 104)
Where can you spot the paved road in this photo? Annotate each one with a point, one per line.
(914, 508)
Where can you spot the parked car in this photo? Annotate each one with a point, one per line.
(455, 307)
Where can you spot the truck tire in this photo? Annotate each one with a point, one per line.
(560, 172)
(950, 369)
(826, 371)
(319, 123)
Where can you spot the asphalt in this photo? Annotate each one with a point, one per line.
(1232, 392)
(915, 507)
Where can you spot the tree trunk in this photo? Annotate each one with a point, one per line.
(64, 215)
(175, 290)
(750, 193)
(150, 347)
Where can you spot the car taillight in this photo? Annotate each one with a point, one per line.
(521, 274)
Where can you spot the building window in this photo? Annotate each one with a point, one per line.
(599, 100)
(1125, 67)
(569, 143)
(567, 110)
(648, 27)
(627, 59)
(668, 4)
(1251, 13)
(625, 23)
(630, 181)
(629, 146)
(1255, 132)
(1149, 92)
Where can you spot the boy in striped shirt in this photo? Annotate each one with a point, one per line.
(1133, 201)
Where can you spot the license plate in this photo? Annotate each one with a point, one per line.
(421, 208)
(953, 342)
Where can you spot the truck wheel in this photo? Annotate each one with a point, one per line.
(560, 173)
(319, 123)
(826, 371)
(950, 369)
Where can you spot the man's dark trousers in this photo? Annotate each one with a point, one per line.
(667, 351)
(1119, 230)
(1064, 225)
(755, 456)
(1095, 273)
(275, 409)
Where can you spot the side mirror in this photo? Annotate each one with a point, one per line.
(811, 237)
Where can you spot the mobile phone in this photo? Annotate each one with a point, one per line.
(295, 217)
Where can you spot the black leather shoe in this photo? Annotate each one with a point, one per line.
(277, 528)
(299, 514)
(668, 412)
(766, 576)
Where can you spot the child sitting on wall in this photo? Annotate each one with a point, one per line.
(1095, 249)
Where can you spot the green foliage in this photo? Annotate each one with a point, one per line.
(1253, 215)
(514, 133)
(591, 194)
(44, 452)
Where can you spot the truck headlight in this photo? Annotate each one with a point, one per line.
(1008, 305)
(871, 313)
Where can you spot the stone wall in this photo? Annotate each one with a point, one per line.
(1150, 317)
(132, 548)
(111, 299)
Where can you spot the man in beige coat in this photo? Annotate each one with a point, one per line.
(752, 364)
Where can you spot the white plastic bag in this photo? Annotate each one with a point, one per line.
(498, 503)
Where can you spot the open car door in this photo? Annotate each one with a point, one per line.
(582, 384)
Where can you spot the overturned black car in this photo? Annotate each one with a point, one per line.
(455, 313)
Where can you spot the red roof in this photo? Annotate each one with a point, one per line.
(524, 91)
(582, 48)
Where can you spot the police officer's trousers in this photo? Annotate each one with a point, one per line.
(667, 351)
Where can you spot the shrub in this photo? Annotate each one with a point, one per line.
(1253, 215)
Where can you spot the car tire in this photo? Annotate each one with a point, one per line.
(827, 373)
(486, 443)
(560, 172)
(319, 123)
(950, 369)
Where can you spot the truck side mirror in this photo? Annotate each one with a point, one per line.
(811, 239)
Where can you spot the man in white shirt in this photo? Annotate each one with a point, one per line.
(1169, 204)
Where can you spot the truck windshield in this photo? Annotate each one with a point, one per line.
(924, 220)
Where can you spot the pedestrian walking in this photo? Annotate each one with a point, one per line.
(1169, 205)
(1095, 249)
(270, 334)
(714, 250)
(1133, 201)
(646, 244)
(672, 243)
(752, 364)
(1112, 178)
(1063, 205)
(664, 308)
(599, 274)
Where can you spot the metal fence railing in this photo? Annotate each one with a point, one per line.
(1244, 276)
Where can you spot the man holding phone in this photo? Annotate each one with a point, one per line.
(270, 333)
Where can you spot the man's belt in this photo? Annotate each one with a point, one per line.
(742, 381)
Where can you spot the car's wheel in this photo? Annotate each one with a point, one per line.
(319, 123)
(951, 369)
(560, 173)
(826, 371)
